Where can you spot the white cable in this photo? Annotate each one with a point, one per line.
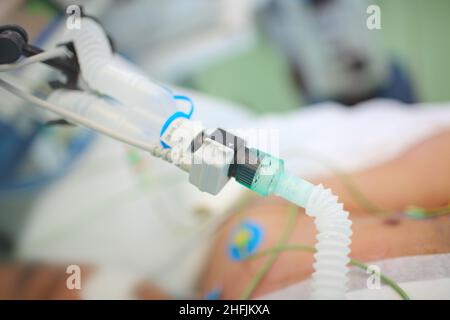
(44, 56)
(154, 149)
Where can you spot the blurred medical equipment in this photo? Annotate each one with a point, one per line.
(332, 53)
(115, 98)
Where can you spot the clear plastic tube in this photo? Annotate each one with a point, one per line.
(105, 112)
(108, 117)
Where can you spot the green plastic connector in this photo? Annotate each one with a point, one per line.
(267, 175)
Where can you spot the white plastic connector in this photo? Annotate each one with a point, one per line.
(181, 133)
(210, 165)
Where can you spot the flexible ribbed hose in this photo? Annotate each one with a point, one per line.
(111, 75)
(333, 241)
(93, 51)
(333, 238)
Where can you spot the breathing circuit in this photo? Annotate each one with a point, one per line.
(124, 104)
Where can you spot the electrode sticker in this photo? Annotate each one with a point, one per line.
(245, 240)
(214, 294)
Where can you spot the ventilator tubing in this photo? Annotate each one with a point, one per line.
(333, 238)
(113, 76)
(332, 223)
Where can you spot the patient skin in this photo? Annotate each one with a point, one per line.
(420, 176)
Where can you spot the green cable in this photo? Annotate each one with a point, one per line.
(265, 268)
(423, 213)
(289, 247)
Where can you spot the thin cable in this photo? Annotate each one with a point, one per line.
(154, 149)
(416, 212)
(40, 57)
